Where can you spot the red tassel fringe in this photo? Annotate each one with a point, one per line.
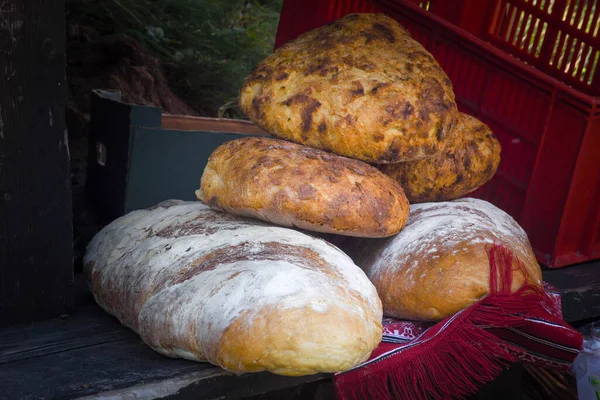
(461, 358)
(501, 269)
(529, 298)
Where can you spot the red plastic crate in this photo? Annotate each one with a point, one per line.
(549, 176)
(559, 37)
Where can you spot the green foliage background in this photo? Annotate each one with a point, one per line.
(212, 44)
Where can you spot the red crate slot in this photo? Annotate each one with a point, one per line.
(549, 176)
(559, 37)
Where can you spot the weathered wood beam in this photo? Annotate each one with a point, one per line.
(36, 271)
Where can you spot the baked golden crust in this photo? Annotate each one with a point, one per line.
(360, 87)
(469, 159)
(298, 186)
(245, 295)
(439, 264)
(283, 352)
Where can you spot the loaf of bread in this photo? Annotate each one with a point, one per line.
(208, 286)
(298, 186)
(439, 265)
(469, 159)
(360, 87)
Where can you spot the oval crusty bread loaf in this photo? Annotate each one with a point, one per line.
(360, 87)
(297, 186)
(204, 285)
(469, 159)
(438, 265)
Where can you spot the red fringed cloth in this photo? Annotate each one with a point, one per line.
(454, 357)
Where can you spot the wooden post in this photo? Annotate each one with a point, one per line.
(36, 266)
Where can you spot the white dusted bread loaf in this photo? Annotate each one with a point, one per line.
(438, 264)
(208, 286)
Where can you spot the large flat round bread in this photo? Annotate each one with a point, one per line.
(360, 87)
(297, 186)
(469, 159)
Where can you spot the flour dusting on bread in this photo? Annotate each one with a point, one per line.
(439, 264)
(180, 274)
(434, 227)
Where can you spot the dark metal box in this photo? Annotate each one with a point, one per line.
(139, 156)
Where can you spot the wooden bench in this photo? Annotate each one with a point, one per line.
(90, 355)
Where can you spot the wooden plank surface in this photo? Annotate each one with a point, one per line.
(128, 369)
(579, 287)
(90, 355)
(88, 326)
(36, 266)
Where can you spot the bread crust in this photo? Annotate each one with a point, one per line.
(360, 87)
(469, 159)
(198, 284)
(297, 186)
(439, 265)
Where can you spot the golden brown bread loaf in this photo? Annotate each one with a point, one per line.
(438, 264)
(209, 286)
(469, 159)
(360, 87)
(298, 186)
